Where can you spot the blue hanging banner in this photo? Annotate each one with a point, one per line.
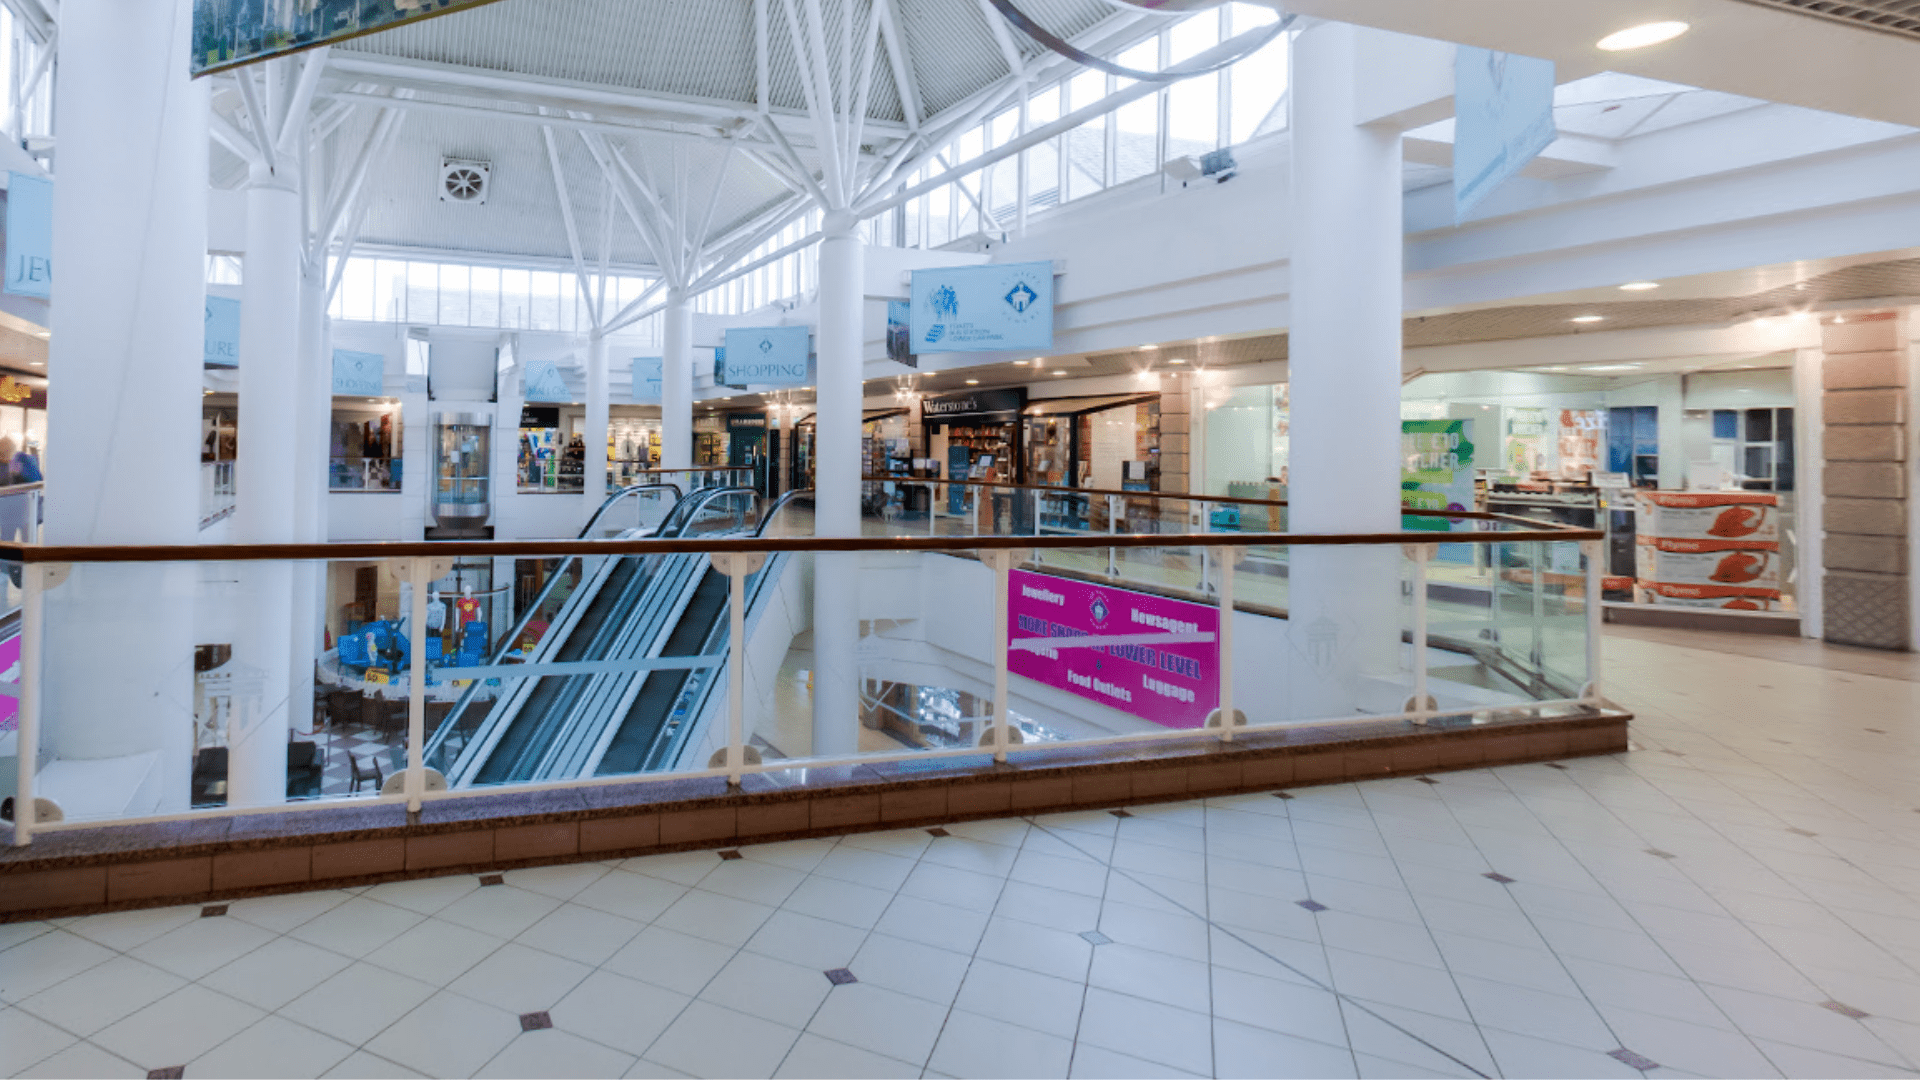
(765, 356)
(900, 333)
(542, 382)
(647, 375)
(29, 236)
(1503, 118)
(360, 374)
(993, 308)
(223, 332)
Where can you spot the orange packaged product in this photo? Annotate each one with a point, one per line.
(1678, 561)
(1722, 597)
(1709, 515)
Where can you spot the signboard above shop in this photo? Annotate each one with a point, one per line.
(993, 308)
(229, 33)
(975, 407)
(359, 374)
(223, 332)
(1503, 118)
(29, 237)
(648, 374)
(775, 356)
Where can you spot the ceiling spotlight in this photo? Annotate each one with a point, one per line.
(1639, 286)
(1639, 37)
(1588, 318)
(1059, 373)
(1148, 348)
(1176, 361)
(973, 382)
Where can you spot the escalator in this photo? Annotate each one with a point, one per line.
(644, 628)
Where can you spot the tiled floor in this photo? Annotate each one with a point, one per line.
(1736, 898)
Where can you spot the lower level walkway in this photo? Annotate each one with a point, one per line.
(1735, 898)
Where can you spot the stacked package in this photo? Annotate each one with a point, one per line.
(1712, 549)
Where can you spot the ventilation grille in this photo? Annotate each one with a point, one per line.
(464, 181)
(1900, 17)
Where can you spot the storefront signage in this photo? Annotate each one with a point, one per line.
(223, 332)
(747, 421)
(229, 33)
(975, 406)
(1437, 473)
(983, 308)
(29, 236)
(361, 374)
(1157, 659)
(542, 382)
(1503, 109)
(765, 356)
(536, 416)
(648, 373)
(900, 333)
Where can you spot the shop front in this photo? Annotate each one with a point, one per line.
(1109, 442)
(976, 435)
(364, 445)
(552, 455)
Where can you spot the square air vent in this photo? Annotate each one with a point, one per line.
(463, 181)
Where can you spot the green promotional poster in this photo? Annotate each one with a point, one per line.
(228, 33)
(1436, 471)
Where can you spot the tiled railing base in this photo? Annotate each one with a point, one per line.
(81, 871)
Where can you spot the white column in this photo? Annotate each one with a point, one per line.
(676, 385)
(1345, 365)
(310, 489)
(130, 238)
(274, 412)
(836, 481)
(594, 469)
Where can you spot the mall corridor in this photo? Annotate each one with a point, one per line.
(1735, 897)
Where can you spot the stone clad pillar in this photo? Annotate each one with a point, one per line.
(1866, 376)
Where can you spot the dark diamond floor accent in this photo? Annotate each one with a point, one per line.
(1499, 877)
(1556, 765)
(1657, 853)
(938, 832)
(535, 1021)
(1632, 1060)
(1427, 780)
(841, 976)
(1119, 813)
(1284, 795)
(1096, 937)
(213, 911)
(731, 854)
(171, 1072)
(1311, 905)
(1845, 1010)
(492, 879)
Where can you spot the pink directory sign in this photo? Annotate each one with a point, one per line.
(10, 660)
(1147, 656)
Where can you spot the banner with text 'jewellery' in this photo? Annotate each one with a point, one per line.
(1503, 118)
(992, 308)
(1147, 656)
(29, 236)
(766, 356)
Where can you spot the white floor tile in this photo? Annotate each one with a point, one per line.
(33, 965)
(623, 1013)
(1180, 933)
(276, 973)
(358, 1003)
(177, 1028)
(1156, 976)
(839, 901)
(1523, 1055)
(910, 967)
(1291, 1008)
(1094, 1063)
(668, 958)
(1148, 1030)
(978, 856)
(282, 913)
(1025, 998)
(361, 1065)
(1046, 906)
(424, 895)
(874, 869)
(562, 882)
(555, 1055)
(275, 1047)
(1242, 1051)
(681, 867)
(580, 933)
(928, 922)
(769, 989)
(356, 927)
(447, 1035)
(435, 951)
(883, 1021)
(1036, 948)
(980, 1047)
(631, 896)
(802, 855)
(500, 910)
(123, 930)
(708, 1040)
(751, 879)
(12, 934)
(100, 995)
(949, 885)
(26, 1039)
(806, 941)
(85, 1061)
(520, 980)
(815, 1058)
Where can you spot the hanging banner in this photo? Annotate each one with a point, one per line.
(720, 369)
(765, 356)
(990, 308)
(223, 332)
(1437, 473)
(1503, 118)
(647, 376)
(900, 333)
(1159, 659)
(29, 236)
(542, 382)
(229, 33)
(360, 374)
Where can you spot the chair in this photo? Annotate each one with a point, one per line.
(343, 708)
(306, 762)
(370, 774)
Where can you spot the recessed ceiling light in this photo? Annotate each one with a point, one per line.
(1588, 318)
(1639, 286)
(1639, 37)
(1148, 348)
(973, 382)
(1176, 361)
(1059, 373)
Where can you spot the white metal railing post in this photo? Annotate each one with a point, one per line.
(932, 497)
(1206, 525)
(1594, 552)
(1420, 554)
(420, 572)
(27, 719)
(1002, 562)
(1113, 512)
(736, 567)
(1538, 655)
(1224, 639)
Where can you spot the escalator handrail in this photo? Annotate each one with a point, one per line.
(778, 505)
(701, 497)
(624, 492)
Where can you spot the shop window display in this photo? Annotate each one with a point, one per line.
(363, 450)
